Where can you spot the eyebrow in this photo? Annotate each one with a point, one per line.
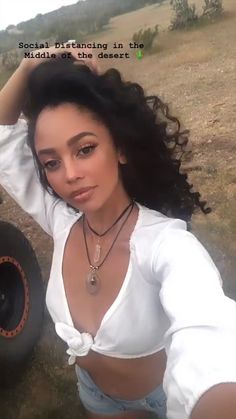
(69, 142)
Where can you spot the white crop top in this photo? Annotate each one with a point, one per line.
(171, 296)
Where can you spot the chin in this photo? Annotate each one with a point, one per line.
(85, 207)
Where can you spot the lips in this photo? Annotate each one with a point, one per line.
(80, 191)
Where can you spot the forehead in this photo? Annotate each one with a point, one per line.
(56, 124)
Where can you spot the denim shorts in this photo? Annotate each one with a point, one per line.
(95, 401)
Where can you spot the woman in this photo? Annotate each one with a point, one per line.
(134, 295)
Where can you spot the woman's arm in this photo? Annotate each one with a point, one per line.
(217, 403)
(200, 377)
(17, 170)
(12, 95)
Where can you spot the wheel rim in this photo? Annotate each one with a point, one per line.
(14, 297)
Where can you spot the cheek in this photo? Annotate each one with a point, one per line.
(109, 171)
(53, 180)
(107, 165)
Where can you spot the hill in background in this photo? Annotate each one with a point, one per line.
(68, 22)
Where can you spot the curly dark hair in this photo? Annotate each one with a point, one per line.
(139, 126)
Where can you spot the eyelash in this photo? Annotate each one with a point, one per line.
(90, 146)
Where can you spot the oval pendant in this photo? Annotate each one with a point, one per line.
(92, 282)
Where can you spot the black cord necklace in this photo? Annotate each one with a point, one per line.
(93, 282)
(115, 222)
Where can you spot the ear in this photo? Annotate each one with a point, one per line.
(122, 158)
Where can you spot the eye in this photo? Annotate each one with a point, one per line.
(88, 149)
(50, 165)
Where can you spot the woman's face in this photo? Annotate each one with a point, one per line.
(77, 152)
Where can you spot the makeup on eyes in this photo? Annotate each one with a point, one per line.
(87, 146)
(90, 146)
(70, 143)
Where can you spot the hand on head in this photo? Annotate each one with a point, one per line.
(92, 63)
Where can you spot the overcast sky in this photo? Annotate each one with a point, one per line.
(16, 11)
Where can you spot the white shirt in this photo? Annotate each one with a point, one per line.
(171, 296)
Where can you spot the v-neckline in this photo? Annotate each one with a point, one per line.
(115, 303)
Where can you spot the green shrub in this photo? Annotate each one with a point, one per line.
(65, 32)
(212, 9)
(145, 37)
(185, 14)
(10, 60)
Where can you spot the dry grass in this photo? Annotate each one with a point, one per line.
(121, 28)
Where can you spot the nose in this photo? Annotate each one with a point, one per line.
(73, 171)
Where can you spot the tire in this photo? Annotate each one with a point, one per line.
(22, 298)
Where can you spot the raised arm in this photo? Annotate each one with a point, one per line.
(18, 174)
(12, 95)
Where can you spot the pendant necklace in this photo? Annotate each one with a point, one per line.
(97, 252)
(93, 283)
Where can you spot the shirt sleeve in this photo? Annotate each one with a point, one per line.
(200, 341)
(19, 178)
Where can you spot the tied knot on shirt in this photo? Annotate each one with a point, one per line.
(78, 343)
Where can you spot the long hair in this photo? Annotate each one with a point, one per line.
(141, 127)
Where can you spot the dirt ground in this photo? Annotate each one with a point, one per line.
(195, 72)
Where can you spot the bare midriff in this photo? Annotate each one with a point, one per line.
(127, 379)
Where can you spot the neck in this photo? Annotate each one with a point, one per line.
(103, 218)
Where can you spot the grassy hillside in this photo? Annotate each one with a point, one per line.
(68, 22)
(122, 27)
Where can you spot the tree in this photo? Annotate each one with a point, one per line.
(185, 14)
(145, 37)
(212, 8)
(10, 60)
